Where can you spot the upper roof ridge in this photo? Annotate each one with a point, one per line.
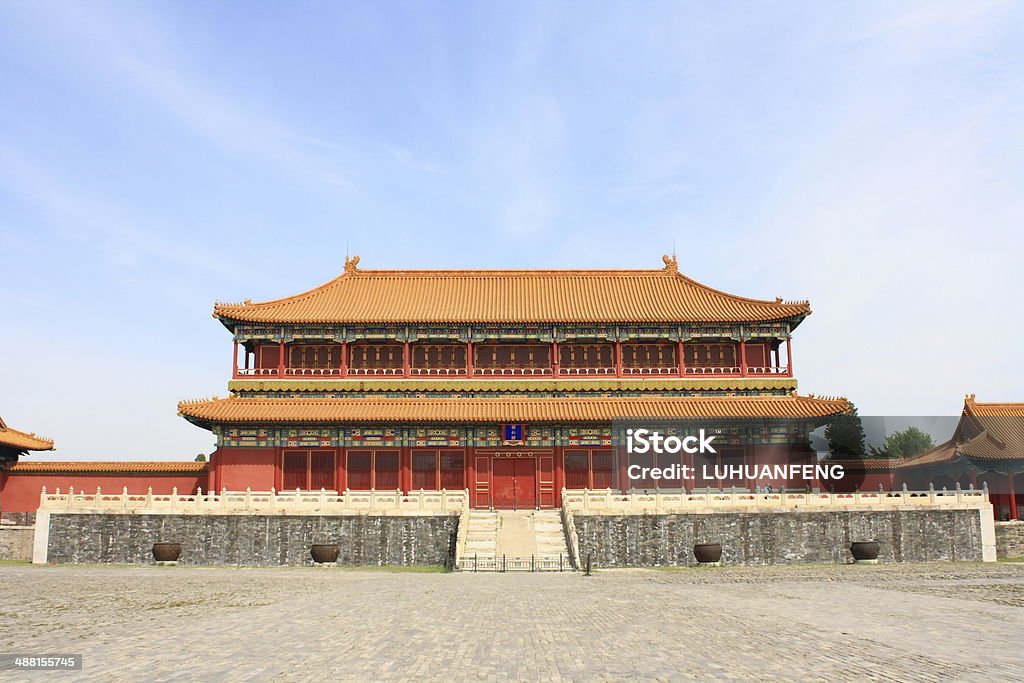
(662, 295)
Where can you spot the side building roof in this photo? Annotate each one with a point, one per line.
(109, 467)
(22, 442)
(986, 431)
(511, 296)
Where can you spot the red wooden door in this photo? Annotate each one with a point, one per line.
(514, 483)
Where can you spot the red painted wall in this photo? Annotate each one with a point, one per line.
(20, 492)
(241, 468)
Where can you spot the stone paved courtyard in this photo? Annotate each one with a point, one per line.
(925, 622)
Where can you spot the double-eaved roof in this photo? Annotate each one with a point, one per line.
(512, 296)
(602, 409)
(22, 442)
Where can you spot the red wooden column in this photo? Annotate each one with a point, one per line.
(211, 471)
(470, 468)
(618, 358)
(405, 470)
(279, 468)
(469, 358)
(743, 357)
(344, 359)
(682, 358)
(789, 356)
(1013, 498)
(554, 358)
(406, 359)
(234, 361)
(340, 469)
(559, 474)
(623, 465)
(280, 359)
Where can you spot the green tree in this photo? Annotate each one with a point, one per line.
(201, 457)
(845, 435)
(908, 443)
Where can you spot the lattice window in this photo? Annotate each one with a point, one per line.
(438, 356)
(267, 355)
(661, 355)
(314, 356)
(308, 470)
(359, 470)
(321, 471)
(385, 470)
(453, 470)
(294, 471)
(424, 470)
(713, 355)
(586, 355)
(591, 468)
(577, 466)
(602, 464)
(512, 356)
(758, 355)
(364, 356)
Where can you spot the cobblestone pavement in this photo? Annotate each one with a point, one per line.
(920, 623)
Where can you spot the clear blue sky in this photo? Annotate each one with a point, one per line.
(155, 157)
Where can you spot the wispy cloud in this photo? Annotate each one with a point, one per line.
(126, 240)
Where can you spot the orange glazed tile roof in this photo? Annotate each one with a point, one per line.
(119, 467)
(512, 409)
(22, 441)
(864, 464)
(512, 296)
(987, 431)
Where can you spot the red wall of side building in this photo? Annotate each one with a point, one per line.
(20, 492)
(236, 469)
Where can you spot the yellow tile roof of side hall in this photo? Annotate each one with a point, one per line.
(115, 466)
(22, 441)
(986, 431)
(512, 296)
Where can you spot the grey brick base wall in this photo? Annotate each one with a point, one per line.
(1010, 539)
(16, 542)
(249, 540)
(18, 518)
(788, 537)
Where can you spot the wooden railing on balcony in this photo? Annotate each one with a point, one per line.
(689, 371)
(377, 371)
(313, 372)
(511, 372)
(661, 369)
(575, 372)
(443, 372)
(712, 370)
(780, 371)
(256, 372)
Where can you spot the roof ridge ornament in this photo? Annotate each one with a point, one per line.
(351, 265)
(671, 263)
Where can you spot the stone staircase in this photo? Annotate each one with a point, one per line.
(508, 540)
(549, 536)
(481, 539)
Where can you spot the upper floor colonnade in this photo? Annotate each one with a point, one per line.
(599, 358)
